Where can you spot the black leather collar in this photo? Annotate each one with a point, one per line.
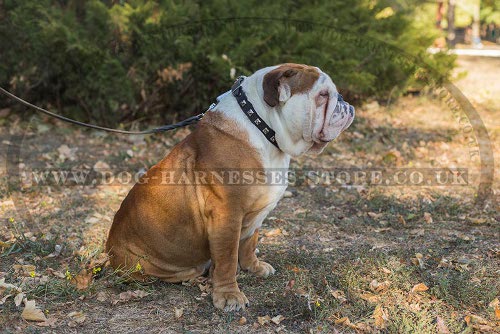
(251, 113)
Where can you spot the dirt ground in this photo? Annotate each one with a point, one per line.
(392, 259)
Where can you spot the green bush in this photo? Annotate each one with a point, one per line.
(117, 61)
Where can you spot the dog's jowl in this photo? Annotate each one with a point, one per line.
(200, 208)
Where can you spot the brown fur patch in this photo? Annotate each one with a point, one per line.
(300, 78)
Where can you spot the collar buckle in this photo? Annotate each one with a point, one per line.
(236, 90)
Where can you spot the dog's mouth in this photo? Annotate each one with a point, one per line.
(334, 122)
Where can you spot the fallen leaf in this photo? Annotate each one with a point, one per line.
(242, 321)
(478, 221)
(475, 319)
(374, 215)
(401, 220)
(420, 287)
(441, 326)
(31, 312)
(273, 232)
(140, 294)
(277, 319)
(414, 307)
(363, 327)
(427, 217)
(343, 321)
(263, 320)
(300, 211)
(497, 313)
(178, 312)
(128, 295)
(50, 322)
(289, 286)
(339, 295)
(66, 153)
(78, 317)
(7, 286)
(102, 296)
(380, 315)
(385, 270)
(19, 298)
(25, 270)
(55, 273)
(483, 328)
(100, 166)
(495, 303)
(375, 286)
(370, 297)
(420, 260)
(57, 251)
(83, 280)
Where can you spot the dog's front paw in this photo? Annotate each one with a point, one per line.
(230, 301)
(262, 269)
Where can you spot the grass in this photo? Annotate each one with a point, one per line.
(310, 301)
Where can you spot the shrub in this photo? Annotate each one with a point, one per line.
(116, 61)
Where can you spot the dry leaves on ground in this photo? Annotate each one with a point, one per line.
(419, 260)
(277, 319)
(83, 280)
(31, 312)
(77, 318)
(339, 295)
(420, 287)
(26, 270)
(360, 326)
(376, 286)
(369, 297)
(128, 295)
(273, 232)
(263, 320)
(178, 312)
(381, 317)
(479, 323)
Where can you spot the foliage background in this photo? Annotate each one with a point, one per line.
(113, 62)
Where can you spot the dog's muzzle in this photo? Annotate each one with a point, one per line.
(346, 111)
(338, 120)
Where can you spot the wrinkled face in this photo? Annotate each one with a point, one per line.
(311, 108)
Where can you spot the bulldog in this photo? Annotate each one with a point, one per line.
(177, 231)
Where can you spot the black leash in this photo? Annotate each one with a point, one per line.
(188, 121)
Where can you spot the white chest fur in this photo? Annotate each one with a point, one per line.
(273, 160)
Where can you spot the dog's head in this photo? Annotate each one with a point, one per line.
(310, 110)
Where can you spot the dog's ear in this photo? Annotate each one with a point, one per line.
(276, 85)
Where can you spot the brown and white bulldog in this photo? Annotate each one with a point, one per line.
(177, 231)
